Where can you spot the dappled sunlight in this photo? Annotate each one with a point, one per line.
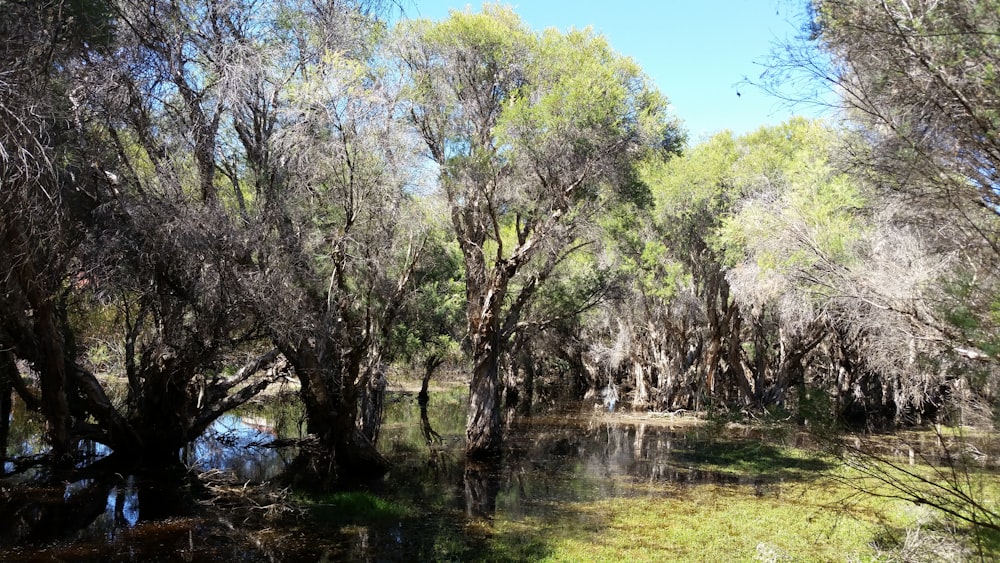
(572, 485)
(326, 280)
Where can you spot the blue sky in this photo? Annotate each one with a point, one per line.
(698, 52)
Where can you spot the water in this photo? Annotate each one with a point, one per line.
(431, 505)
(238, 444)
(110, 516)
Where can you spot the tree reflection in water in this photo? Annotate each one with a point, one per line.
(482, 485)
(105, 497)
(549, 460)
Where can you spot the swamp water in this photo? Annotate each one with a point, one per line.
(432, 506)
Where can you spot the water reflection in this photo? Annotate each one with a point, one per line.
(482, 482)
(123, 503)
(239, 444)
(550, 460)
(26, 432)
(102, 505)
(42, 514)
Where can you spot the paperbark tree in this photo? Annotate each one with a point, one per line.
(45, 198)
(917, 81)
(342, 267)
(529, 132)
(261, 181)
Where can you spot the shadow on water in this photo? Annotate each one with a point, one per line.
(435, 506)
(107, 509)
(431, 506)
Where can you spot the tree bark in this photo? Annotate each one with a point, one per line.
(52, 375)
(372, 402)
(431, 364)
(164, 415)
(330, 398)
(527, 362)
(483, 431)
(7, 366)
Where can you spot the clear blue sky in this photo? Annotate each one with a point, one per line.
(697, 51)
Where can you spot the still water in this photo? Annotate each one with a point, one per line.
(431, 506)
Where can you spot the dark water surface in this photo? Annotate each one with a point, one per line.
(431, 506)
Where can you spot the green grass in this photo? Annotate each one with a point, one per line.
(357, 507)
(805, 522)
(790, 516)
(746, 499)
(801, 506)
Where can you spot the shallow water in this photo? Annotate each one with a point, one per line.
(434, 506)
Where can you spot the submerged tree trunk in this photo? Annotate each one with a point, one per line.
(372, 402)
(52, 375)
(329, 393)
(483, 429)
(431, 364)
(163, 412)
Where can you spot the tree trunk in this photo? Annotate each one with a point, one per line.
(6, 400)
(372, 402)
(528, 363)
(483, 429)
(790, 370)
(640, 397)
(328, 391)
(432, 362)
(52, 375)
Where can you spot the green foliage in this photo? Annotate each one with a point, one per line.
(433, 320)
(973, 309)
(546, 115)
(692, 193)
(696, 185)
(79, 21)
(575, 286)
(586, 95)
(797, 210)
(817, 409)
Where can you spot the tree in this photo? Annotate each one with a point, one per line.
(529, 132)
(125, 240)
(798, 216)
(45, 200)
(916, 81)
(725, 294)
(688, 338)
(339, 253)
(260, 192)
(912, 306)
(684, 273)
(920, 78)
